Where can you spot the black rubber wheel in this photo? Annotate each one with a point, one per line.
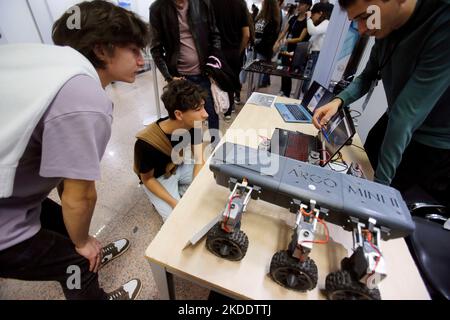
(290, 273)
(231, 246)
(341, 286)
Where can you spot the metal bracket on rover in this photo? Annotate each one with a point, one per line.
(369, 210)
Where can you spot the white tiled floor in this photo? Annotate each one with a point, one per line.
(122, 208)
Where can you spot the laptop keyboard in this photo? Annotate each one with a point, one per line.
(295, 111)
(261, 67)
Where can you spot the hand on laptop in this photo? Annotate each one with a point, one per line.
(323, 114)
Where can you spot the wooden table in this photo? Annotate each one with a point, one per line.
(268, 230)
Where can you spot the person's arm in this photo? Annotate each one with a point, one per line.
(245, 38)
(361, 84)
(78, 203)
(302, 37)
(149, 180)
(316, 30)
(358, 88)
(425, 87)
(283, 33)
(156, 46)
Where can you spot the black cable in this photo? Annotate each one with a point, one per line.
(338, 164)
(339, 157)
(354, 145)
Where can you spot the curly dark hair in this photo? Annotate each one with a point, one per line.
(102, 23)
(182, 95)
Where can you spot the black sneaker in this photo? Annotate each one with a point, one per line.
(113, 250)
(129, 291)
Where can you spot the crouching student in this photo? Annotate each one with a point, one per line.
(157, 150)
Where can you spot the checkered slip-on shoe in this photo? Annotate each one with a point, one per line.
(129, 291)
(113, 250)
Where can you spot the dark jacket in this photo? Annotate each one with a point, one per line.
(266, 35)
(165, 34)
(223, 75)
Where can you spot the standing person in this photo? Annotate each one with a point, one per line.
(291, 12)
(60, 136)
(255, 11)
(296, 31)
(317, 22)
(164, 182)
(183, 36)
(283, 17)
(267, 28)
(233, 25)
(410, 144)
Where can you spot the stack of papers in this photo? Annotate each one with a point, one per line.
(262, 99)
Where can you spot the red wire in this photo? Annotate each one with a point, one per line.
(327, 154)
(228, 215)
(310, 214)
(378, 258)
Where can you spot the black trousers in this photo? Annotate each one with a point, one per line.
(47, 257)
(234, 59)
(421, 165)
(286, 82)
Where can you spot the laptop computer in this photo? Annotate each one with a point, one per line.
(315, 97)
(325, 145)
(300, 57)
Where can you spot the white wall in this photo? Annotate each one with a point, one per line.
(32, 20)
(43, 19)
(3, 39)
(17, 23)
(332, 46)
(141, 8)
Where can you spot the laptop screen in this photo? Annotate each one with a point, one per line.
(337, 132)
(315, 97)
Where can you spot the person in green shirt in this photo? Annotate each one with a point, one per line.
(410, 144)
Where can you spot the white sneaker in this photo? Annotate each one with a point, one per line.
(129, 291)
(113, 250)
(227, 118)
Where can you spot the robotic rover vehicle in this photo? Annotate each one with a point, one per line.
(369, 210)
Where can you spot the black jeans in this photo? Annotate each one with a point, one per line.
(286, 82)
(234, 59)
(421, 165)
(47, 257)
